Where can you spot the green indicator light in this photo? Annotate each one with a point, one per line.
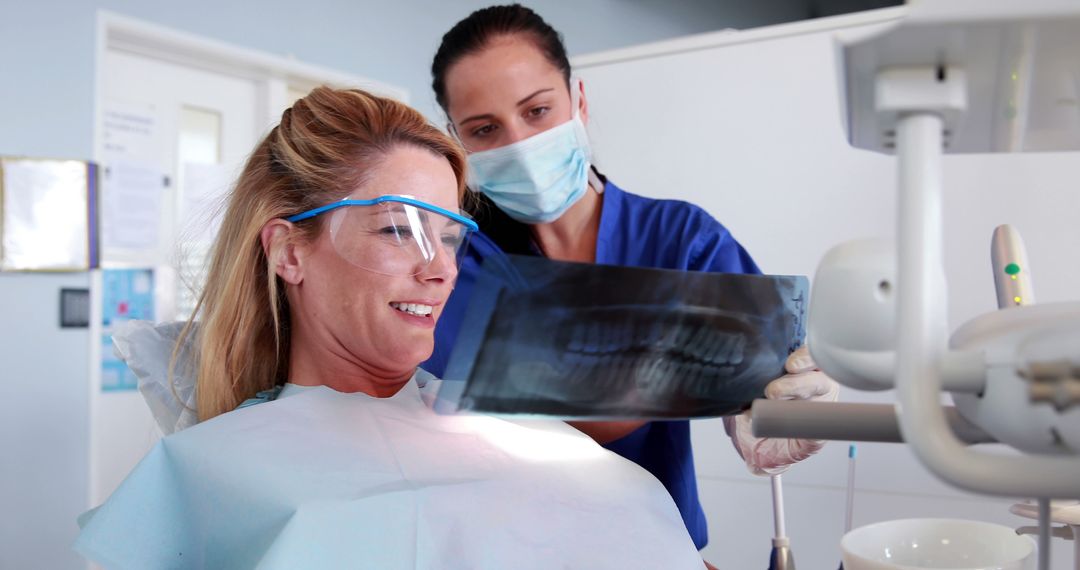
(1012, 269)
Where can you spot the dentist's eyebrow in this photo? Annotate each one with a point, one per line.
(526, 100)
(488, 116)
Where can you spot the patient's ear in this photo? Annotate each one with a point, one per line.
(283, 251)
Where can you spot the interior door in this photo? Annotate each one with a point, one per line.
(174, 137)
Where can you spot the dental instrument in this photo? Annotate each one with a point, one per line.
(781, 557)
(1012, 275)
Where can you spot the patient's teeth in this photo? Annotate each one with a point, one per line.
(413, 308)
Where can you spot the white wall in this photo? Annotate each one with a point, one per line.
(46, 100)
(46, 109)
(43, 396)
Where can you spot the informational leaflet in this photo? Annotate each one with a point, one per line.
(128, 294)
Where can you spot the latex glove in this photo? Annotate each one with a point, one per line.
(769, 456)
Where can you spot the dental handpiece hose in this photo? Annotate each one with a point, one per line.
(781, 558)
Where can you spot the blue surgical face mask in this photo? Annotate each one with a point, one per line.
(537, 179)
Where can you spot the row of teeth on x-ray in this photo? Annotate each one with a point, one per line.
(657, 373)
(696, 341)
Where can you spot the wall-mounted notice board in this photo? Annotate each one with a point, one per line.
(48, 214)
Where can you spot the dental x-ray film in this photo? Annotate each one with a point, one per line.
(571, 340)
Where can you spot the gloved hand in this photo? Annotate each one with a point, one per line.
(803, 381)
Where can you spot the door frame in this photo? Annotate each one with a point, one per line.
(272, 73)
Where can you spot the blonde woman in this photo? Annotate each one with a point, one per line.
(336, 256)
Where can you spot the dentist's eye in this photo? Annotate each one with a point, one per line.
(483, 131)
(538, 112)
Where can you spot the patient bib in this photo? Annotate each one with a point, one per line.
(323, 479)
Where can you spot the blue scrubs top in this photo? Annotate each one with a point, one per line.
(634, 231)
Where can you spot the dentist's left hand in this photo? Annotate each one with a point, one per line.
(770, 456)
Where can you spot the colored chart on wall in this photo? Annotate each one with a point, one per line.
(128, 294)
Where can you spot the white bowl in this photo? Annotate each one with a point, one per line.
(936, 544)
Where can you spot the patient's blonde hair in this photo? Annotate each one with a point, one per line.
(325, 147)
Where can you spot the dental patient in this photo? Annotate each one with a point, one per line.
(338, 250)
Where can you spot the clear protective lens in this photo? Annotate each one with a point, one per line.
(395, 238)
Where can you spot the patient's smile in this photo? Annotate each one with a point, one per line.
(417, 309)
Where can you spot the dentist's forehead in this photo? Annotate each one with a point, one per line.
(506, 71)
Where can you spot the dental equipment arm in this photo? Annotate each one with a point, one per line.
(847, 422)
(922, 335)
(907, 91)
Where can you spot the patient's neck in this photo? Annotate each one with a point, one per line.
(313, 362)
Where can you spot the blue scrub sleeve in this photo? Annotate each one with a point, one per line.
(719, 252)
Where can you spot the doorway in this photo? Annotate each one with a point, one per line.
(176, 117)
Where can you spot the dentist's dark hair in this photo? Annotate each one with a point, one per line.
(483, 26)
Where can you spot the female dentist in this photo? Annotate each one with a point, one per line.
(503, 78)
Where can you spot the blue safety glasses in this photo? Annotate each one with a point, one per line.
(394, 235)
